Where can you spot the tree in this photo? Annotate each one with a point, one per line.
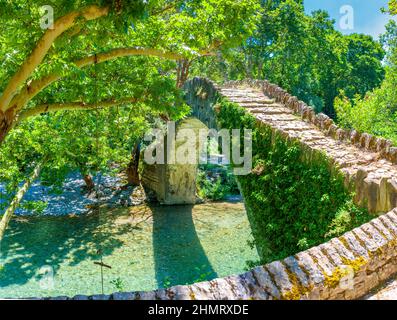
(176, 30)
(133, 166)
(87, 89)
(376, 112)
(392, 7)
(364, 56)
(305, 55)
(17, 200)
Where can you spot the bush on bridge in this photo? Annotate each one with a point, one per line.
(291, 204)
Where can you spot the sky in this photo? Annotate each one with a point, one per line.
(367, 17)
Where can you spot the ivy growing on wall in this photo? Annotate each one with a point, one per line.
(292, 204)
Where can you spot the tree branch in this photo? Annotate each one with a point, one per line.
(36, 86)
(39, 52)
(166, 8)
(44, 108)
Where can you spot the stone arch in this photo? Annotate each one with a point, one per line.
(174, 184)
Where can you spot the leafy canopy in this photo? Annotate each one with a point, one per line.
(159, 32)
(305, 55)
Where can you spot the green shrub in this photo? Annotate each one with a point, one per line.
(217, 187)
(376, 113)
(36, 207)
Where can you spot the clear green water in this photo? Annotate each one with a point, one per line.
(146, 248)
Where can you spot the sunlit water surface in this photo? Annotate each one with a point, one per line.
(146, 248)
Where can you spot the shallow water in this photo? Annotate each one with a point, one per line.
(146, 248)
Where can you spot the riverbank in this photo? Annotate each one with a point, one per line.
(73, 199)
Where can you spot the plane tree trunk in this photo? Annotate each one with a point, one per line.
(182, 72)
(89, 182)
(133, 166)
(18, 198)
(6, 121)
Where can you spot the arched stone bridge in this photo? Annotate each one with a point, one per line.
(369, 165)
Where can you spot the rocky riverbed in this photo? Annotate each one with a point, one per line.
(73, 199)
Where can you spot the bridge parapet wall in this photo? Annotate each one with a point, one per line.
(366, 141)
(368, 163)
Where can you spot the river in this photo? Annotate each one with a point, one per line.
(146, 248)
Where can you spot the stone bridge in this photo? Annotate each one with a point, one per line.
(369, 165)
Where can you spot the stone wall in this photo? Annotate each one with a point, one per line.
(202, 95)
(174, 183)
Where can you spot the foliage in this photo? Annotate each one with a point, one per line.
(76, 141)
(372, 114)
(93, 141)
(216, 182)
(184, 27)
(37, 207)
(376, 113)
(293, 204)
(392, 7)
(304, 54)
(203, 275)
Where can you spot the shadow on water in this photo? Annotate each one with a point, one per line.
(34, 242)
(179, 256)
